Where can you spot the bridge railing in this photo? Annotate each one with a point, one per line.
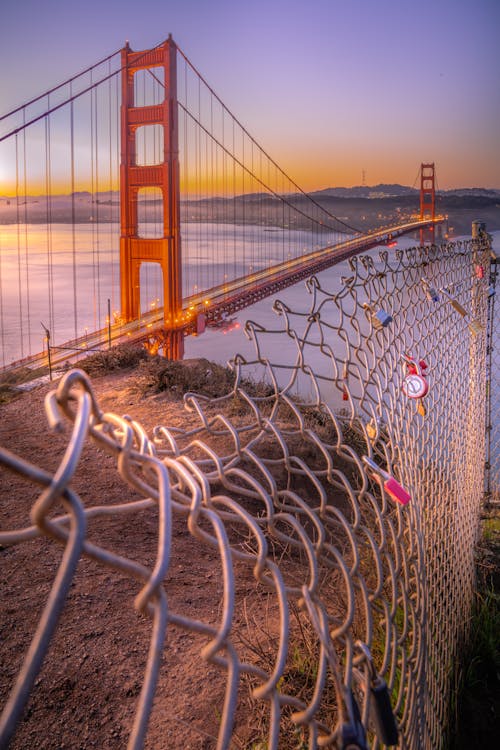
(340, 502)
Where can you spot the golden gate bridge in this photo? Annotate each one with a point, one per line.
(143, 148)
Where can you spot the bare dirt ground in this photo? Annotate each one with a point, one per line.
(85, 695)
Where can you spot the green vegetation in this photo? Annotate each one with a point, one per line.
(10, 381)
(121, 357)
(156, 374)
(477, 699)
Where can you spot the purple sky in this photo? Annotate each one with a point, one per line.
(329, 88)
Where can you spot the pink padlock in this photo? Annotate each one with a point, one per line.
(480, 272)
(391, 486)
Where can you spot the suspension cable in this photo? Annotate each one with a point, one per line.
(292, 182)
(261, 181)
(59, 86)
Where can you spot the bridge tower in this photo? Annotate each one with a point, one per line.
(427, 198)
(427, 191)
(165, 250)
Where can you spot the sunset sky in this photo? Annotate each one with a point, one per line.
(330, 88)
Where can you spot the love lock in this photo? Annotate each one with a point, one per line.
(474, 326)
(430, 291)
(455, 303)
(391, 485)
(383, 715)
(414, 384)
(379, 319)
(372, 429)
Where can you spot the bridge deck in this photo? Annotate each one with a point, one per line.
(227, 298)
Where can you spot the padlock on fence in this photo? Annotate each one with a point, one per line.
(455, 303)
(380, 318)
(353, 732)
(474, 326)
(391, 486)
(386, 727)
(480, 272)
(414, 384)
(430, 291)
(372, 429)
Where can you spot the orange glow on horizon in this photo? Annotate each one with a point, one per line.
(58, 187)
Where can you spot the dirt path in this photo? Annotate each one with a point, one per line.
(87, 690)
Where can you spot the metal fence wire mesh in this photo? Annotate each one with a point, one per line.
(493, 386)
(350, 512)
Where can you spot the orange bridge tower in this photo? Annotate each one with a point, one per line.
(164, 175)
(427, 191)
(427, 196)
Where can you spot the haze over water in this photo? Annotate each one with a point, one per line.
(63, 277)
(93, 290)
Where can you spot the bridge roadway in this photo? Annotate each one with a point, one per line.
(226, 298)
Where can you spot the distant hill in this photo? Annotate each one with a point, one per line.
(365, 191)
(396, 191)
(360, 207)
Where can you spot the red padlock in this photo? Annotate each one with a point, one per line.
(412, 368)
(415, 385)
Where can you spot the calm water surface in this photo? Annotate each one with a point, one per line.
(78, 294)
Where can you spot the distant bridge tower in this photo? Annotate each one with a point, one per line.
(165, 250)
(427, 195)
(427, 191)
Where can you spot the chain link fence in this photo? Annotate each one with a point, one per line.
(493, 386)
(345, 495)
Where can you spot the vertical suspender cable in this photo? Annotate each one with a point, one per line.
(19, 264)
(243, 203)
(2, 326)
(159, 206)
(197, 172)
(117, 145)
(92, 202)
(73, 218)
(110, 188)
(234, 273)
(213, 183)
(185, 183)
(48, 212)
(97, 209)
(26, 254)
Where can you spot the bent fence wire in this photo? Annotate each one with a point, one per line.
(365, 586)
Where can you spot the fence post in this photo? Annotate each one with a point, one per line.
(109, 323)
(489, 371)
(47, 339)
